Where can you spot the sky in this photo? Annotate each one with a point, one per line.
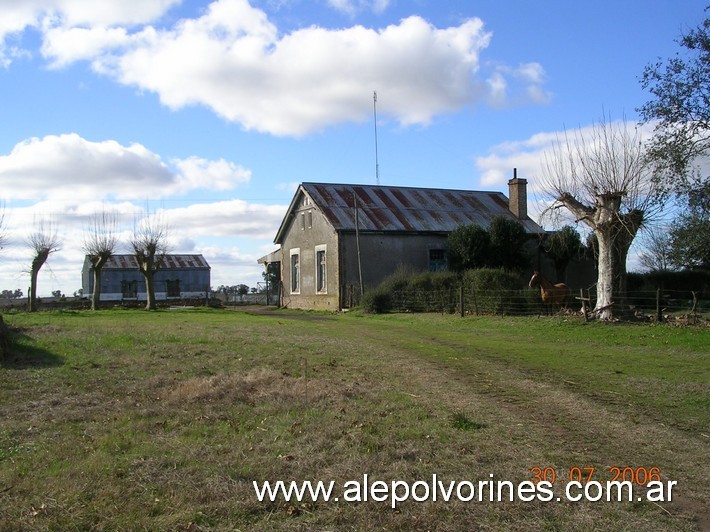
(209, 113)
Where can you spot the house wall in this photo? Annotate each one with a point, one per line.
(308, 233)
(381, 254)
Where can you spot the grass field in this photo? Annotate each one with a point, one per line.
(162, 421)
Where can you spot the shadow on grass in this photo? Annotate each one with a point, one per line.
(27, 357)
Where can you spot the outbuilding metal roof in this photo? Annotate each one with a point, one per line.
(170, 262)
(405, 209)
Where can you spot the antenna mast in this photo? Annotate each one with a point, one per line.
(377, 161)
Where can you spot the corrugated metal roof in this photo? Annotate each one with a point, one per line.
(170, 262)
(405, 209)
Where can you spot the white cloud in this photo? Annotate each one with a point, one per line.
(18, 15)
(227, 218)
(517, 86)
(196, 172)
(233, 60)
(290, 186)
(47, 14)
(526, 155)
(68, 166)
(66, 46)
(352, 7)
(497, 88)
(344, 6)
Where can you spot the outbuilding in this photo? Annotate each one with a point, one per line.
(179, 277)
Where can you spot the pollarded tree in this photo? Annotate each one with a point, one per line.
(43, 241)
(149, 244)
(100, 242)
(602, 177)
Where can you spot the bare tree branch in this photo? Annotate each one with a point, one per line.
(43, 241)
(3, 227)
(100, 242)
(149, 244)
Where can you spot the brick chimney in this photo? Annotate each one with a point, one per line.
(518, 196)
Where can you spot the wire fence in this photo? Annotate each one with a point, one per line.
(650, 304)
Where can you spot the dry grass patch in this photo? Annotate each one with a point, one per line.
(260, 385)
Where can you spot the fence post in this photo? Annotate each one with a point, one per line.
(659, 312)
(461, 301)
(584, 304)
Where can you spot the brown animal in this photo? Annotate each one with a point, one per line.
(551, 294)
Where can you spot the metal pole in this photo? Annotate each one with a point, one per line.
(357, 241)
(377, 160)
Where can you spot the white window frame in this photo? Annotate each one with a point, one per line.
(322, 248)
(297, 253)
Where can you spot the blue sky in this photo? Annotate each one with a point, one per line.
(210, 113)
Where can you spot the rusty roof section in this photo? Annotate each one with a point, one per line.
(170, 262)
(404, 209)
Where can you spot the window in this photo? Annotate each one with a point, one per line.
(310, 219)
(303, 221)
(296, 271)
(321, 270)
(174, 288)
(437, 260)
(129, 289)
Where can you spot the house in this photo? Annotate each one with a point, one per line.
(179, 277)
(336, 237)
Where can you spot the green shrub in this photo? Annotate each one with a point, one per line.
(487, 290)
(378, 300)
(491, 290)
(418, 292)
(468, 246)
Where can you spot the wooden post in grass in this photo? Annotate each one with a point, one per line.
(584, 304)
(4, 340)
(461, 301)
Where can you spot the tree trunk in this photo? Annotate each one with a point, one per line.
(33, 290)
(605, 274)
(149, 289)
(96, 294)
(626, 231)
(99, 262)
(37, 264)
